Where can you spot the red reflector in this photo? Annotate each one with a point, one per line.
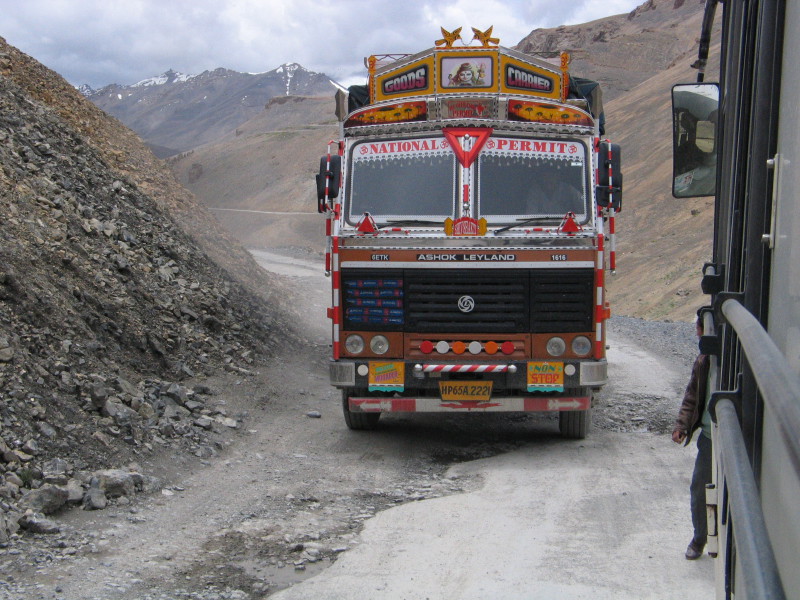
(426, 347)
(507, 347)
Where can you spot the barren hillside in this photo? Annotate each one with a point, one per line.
(663, 242)
(267, 164)
(625, 50)
(107, 302)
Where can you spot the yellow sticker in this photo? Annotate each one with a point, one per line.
(387, 376)
(546, 376)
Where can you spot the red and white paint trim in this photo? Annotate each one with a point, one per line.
(431, 405)
(336, 295)
(612, 259)
(599, 281)
(612, 232)
(332, 266)
(428, 368)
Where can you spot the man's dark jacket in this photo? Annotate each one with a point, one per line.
(694, 399)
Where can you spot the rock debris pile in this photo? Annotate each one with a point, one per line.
(106, 306)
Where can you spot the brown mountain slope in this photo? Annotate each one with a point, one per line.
(624, 50)
(663, 241)
(266, 165)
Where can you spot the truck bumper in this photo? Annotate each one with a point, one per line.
(504, 404)
(403, 386)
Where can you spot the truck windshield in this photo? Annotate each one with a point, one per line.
(513, 180)
(519, 179)
(396, 179)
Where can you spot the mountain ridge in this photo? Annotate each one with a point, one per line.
(175, 112)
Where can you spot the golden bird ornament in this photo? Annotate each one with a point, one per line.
(485, 37)
(449, 37)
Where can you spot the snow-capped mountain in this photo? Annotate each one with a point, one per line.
(167, 77)
(175, 112)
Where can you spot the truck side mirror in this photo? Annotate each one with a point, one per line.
(694, 139)
(328, 180)
(609, 176)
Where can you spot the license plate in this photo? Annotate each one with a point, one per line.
(477, 391)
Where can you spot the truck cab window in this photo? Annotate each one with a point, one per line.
(525, 184)
(401, 179)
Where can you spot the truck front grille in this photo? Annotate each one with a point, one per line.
(469, 300)
(562, 300)
(490, 301)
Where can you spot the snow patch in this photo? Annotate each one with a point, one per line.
(168, 77)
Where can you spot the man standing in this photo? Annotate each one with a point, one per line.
(694, 415)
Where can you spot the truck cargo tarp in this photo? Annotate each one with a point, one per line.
(358, 96)
(593, 94)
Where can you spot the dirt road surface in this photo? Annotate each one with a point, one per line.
(428, 506)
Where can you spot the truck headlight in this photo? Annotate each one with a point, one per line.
(379, 344)
(354, 344)
(556, 346)
(581, 345)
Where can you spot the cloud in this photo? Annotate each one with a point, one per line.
(101, 42)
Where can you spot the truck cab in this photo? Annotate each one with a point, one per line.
(469, 201)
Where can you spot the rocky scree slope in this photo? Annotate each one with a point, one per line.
(107, 308)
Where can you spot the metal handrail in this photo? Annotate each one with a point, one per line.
(779, 387)
(760, 573)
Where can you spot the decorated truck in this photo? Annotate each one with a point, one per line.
(470, 205)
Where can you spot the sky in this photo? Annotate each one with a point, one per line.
(99, 42)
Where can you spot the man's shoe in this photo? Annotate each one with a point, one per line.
(694, 551)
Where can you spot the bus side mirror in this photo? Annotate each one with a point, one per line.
(609, 176)
(694, 139)
(328, 180)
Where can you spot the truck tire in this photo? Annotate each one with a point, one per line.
(357, 420)
(575, 424)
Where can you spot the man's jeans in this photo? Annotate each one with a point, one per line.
(700, 477)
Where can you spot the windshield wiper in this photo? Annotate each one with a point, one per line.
(523, 222)
(410, 222)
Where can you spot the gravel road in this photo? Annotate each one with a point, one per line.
(289, 496)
